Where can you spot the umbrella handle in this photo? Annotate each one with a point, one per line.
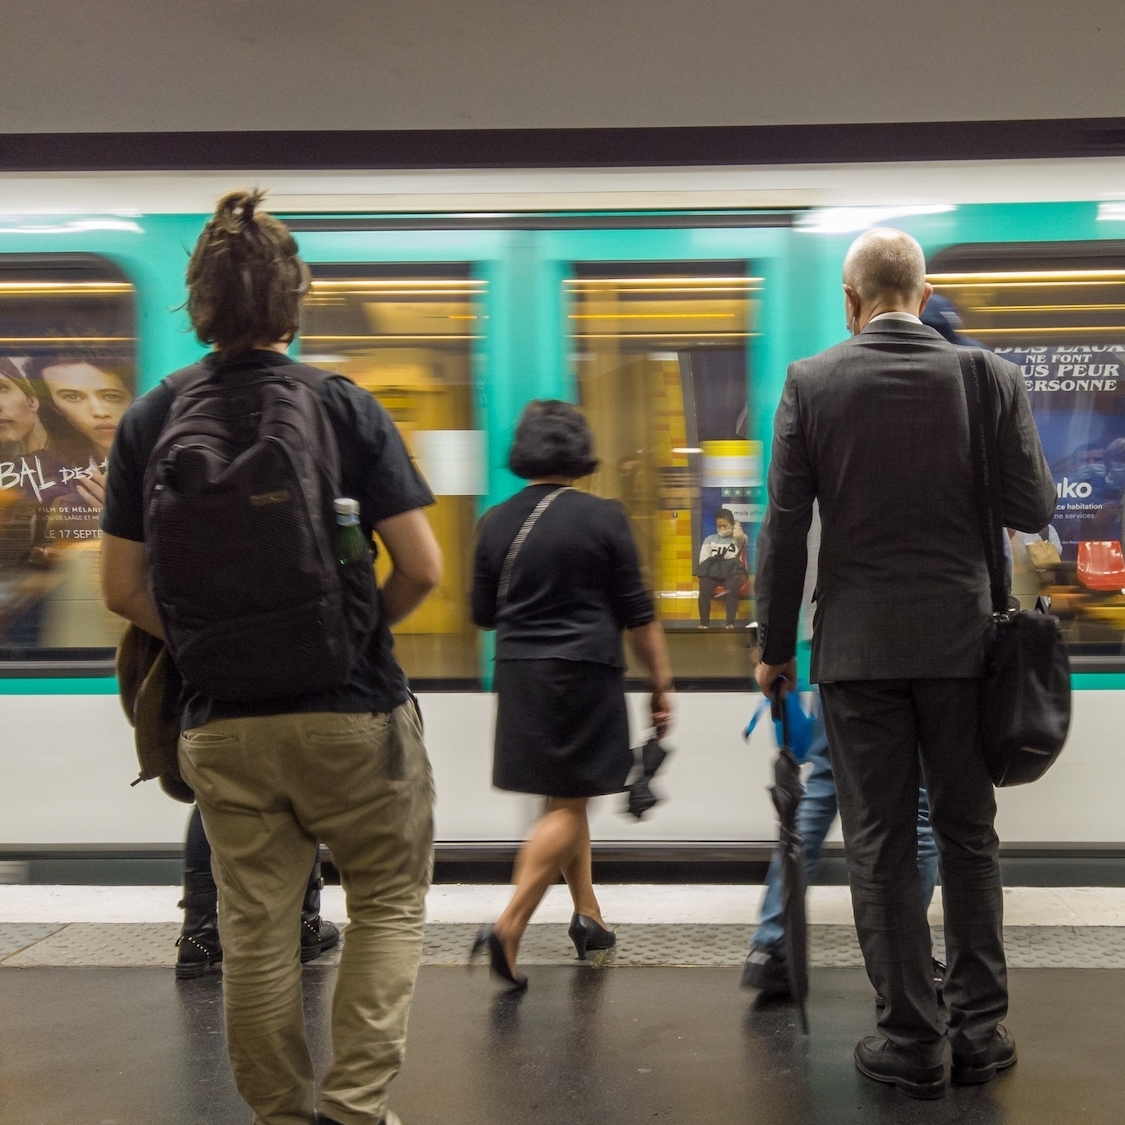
(778, 710)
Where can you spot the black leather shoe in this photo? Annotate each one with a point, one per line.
(198, 943)
(317, 935)
(587, 934)
(765, 970)
(880, 1059)
(972, 1070)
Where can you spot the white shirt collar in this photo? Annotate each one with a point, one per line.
(910, 318)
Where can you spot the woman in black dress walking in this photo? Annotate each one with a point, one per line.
(556, 575)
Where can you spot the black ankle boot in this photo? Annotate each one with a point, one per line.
(199, 939)
(317, 935)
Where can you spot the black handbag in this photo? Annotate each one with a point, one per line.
(721, 569)
(1025, 694)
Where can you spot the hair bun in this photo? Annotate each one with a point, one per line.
(236, 211)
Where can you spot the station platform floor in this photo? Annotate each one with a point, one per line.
(96, 1030)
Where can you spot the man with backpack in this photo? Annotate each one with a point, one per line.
(234, 492)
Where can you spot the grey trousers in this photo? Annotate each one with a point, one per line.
(881, 734)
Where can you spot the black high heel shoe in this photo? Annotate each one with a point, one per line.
(587, 934)
(497, 958)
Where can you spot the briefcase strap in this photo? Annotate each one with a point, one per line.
(986, 472)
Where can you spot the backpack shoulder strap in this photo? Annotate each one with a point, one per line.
(313, 377)
(187, 378)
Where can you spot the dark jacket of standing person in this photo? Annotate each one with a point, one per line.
(876, 430)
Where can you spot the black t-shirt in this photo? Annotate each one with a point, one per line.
(375, 469)
(576, 582)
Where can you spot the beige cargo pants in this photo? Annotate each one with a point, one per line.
(269, 788)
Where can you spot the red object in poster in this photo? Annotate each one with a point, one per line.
(1101, 564)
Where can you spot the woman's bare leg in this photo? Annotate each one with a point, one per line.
(579, 876)
(549, 849)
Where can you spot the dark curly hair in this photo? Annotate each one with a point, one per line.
(245, 281)
(552, 440)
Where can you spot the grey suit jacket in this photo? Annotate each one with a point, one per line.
(876, 429)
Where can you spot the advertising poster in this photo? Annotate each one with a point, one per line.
(1077, 396)
(58, 417)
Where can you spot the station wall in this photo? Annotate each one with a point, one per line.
(432, 64)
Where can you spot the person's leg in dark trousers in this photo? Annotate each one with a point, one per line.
(706, 592)
(873, 741)
(198, 944)
(730, 597)
(963, 812)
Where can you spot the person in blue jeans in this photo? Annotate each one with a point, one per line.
(765, 967)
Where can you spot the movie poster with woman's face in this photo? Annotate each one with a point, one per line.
(58, 417)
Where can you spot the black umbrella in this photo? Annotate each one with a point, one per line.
(641, 796)
(786, 793)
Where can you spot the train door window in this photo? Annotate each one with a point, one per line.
(407, 334)
(1057, 310)
(662, 358)
(67, 374)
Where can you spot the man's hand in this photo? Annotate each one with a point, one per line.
(92, 489)
(661, 705)
(766, 674)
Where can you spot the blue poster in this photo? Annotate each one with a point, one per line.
(1077, 395)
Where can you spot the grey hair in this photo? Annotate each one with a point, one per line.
(885, 262)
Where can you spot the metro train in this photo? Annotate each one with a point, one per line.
(668, 304)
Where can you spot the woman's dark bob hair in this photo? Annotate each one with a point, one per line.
(552, 440)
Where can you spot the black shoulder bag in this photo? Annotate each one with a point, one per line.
(1025, 694)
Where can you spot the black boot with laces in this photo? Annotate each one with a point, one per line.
(317, 935)
(198, 943)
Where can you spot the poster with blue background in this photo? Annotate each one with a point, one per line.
(1077, 394)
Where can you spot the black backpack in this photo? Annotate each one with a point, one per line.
(240, 535)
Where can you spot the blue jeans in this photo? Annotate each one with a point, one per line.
(815, 815)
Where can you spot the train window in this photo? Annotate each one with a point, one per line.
(67, 374)
(662, 359)
(1057, 310)
(407, 335)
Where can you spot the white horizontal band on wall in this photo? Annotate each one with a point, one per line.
(454, 462)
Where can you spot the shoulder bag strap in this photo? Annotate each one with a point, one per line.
(517, 543)
(986, 472)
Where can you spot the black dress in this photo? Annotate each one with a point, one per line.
(561, 726)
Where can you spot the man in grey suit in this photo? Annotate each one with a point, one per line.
(876, 429)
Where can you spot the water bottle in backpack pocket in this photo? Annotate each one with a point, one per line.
(240, 536)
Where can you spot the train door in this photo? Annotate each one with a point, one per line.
(406, 334)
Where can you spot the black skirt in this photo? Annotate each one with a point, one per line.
(561, 728)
